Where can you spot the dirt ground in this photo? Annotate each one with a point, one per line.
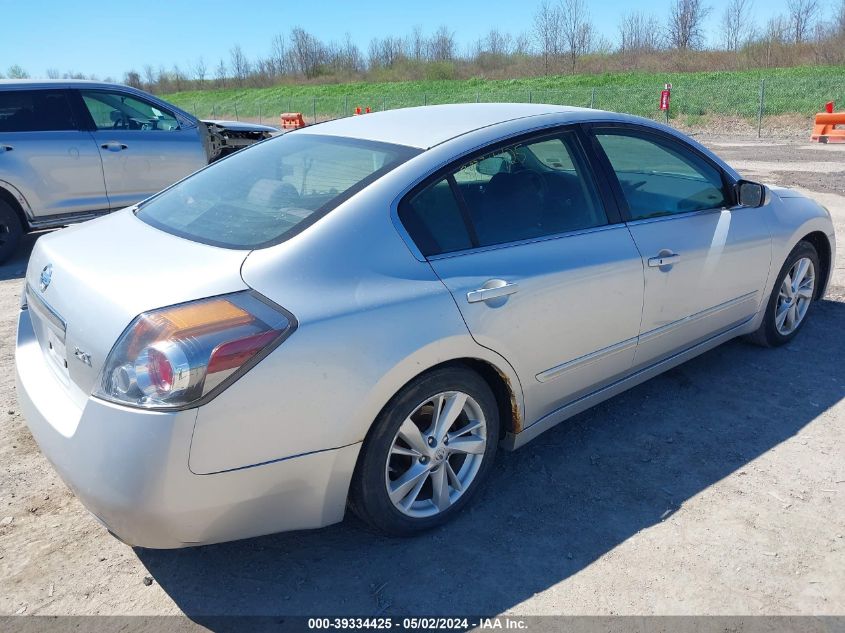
(717, 488)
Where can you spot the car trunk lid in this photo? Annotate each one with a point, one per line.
(86, 283)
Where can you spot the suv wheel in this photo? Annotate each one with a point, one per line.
(10, 231)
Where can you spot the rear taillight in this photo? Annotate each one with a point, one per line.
(179, 356)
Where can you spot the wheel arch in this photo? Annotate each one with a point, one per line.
(14, 199)
(822, 245)
(508, 395)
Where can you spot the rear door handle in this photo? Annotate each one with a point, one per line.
(6, 148)
(664, 260)
(114, 146)
(493, 289)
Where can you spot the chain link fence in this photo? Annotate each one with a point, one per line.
(764, 108)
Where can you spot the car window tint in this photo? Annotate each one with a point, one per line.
(536, 189)
(659, 178)
(433, 219)
(119, 111)
(261, 195)
(35, 110)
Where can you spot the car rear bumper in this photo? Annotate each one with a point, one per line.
(130, 468)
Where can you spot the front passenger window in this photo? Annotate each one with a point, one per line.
(661, 178)
(119, 111)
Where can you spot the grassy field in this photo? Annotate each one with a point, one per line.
(801, 90)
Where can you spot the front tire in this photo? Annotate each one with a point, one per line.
(427, 454)
(791, 298)
(11, 231)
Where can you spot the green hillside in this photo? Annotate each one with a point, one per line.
(801, 90)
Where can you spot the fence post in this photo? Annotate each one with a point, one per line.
(213, 113)
(476, 97)
(345, 105)
(314, 108)
(762, 106)
(259, 114)
(593, 98)
(425, 98)
(383, 104)
(530, 97)
(236, 111)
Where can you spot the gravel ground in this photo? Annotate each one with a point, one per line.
(717, 488)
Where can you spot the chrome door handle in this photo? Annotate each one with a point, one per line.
(114, 146)
(6, 148)
(492, 290)
(664, 260)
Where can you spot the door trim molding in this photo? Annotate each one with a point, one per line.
(586, 359)
(665, 329)
(558, 370)
(513, 441)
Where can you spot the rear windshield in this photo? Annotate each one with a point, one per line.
(271, 191)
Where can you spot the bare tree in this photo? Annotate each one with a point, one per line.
(639, 33)
(802, 16)
(840, 20)
(53, 73)
(220, 74)
(686, 24)
(385, 52)
(576, 29)
(441, 46)
(278, 54)
(736, 24)
(17, 72)
(149, 76)
(133, 78)
(498, 43)
(522, 44)
(239, 64)
(178, 77)
(200, 71)
(547, 28)
(306, 52)
(416, 44)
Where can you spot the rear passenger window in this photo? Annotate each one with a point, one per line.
(35, 111)
(434, 221)
(525, 191)
(529, 191)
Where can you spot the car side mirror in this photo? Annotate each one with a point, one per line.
(750, 194)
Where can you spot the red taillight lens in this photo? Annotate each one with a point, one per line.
(176, 356)
(233, 354)
(161, 371)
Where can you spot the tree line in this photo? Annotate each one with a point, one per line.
(562, 39)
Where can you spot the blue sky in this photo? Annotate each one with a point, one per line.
(108, 38)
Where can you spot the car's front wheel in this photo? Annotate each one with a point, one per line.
(10, 231)
(791, 298)
(428, 453)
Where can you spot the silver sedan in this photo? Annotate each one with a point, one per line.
(359, 313)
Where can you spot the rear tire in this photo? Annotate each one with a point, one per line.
(11, 231)
(427, 454)
(791, 299)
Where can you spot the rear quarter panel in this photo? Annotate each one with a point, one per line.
(371, 317)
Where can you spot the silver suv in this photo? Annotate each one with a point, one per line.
(72, 150)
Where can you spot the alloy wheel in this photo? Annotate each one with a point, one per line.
(436, 454)
(795, 295)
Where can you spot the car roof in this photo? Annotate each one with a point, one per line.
(426, 126)
(58, 83)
